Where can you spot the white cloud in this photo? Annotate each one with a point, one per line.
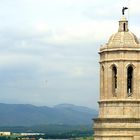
(90, 31)
(9, 60)
(134, 7)
(82, 71)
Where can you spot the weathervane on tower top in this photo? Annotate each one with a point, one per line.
(123, 10)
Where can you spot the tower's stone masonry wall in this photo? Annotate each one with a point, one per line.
(119, 104)
(119, 109)
(121, 60)
(121, 129)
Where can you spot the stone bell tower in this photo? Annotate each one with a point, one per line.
(119, 104)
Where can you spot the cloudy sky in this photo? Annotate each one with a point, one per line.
(49, 48)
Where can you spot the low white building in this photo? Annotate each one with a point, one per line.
(31, 134)
(5, 133)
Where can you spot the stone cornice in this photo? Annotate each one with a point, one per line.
(117, 129)
(123, 60)
(119, 101)
(116, 120)
(118, 49)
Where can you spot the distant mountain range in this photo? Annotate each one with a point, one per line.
(28, 115)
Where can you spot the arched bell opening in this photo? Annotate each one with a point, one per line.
(129, 80)
(114, 80)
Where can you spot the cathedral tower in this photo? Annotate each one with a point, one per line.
(119, 104)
